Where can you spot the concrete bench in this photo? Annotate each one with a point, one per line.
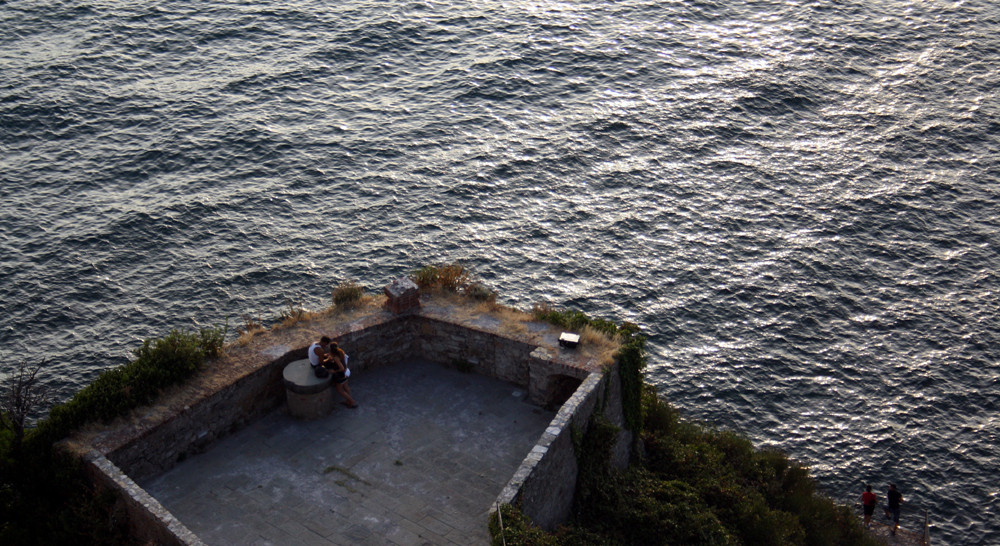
(309, 397)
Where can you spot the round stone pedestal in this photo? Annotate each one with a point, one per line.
(309, 396)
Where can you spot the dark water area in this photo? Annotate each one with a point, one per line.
(795, 200)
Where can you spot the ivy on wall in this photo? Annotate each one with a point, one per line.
(631, 356)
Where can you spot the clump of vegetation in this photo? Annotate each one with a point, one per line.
(447, 277)
(508, 525)
(292, 314)
(572, 319)
(22, 394)
(479, 292)
(251, 327)
(159, 363)
(36, 477)
(696, 485)
(347, 294)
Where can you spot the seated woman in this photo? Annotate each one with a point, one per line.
(338, 369)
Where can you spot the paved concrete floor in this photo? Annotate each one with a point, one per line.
(419, 462)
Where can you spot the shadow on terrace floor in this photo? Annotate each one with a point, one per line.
(419, 462)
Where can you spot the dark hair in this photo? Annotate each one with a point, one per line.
(869, 488)
(324, 339)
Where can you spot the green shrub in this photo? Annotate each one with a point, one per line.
(696, 485)
(44, 496)
(479, 292)
(568, 319)
(159, 363)
(594, 486)
(516, 528)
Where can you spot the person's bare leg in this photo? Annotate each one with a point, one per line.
(347, 395)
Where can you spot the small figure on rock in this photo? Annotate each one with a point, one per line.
(868, 501)
(894, 498)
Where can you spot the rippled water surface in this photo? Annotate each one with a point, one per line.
(796, 200)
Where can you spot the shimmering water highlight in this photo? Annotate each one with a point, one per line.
(796, 200)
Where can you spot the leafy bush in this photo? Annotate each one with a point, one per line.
(568, 319)
(44, 497)
(159, 363)
(479, 292)
(696, 485)
(508, 525)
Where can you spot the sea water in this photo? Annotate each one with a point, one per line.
(796, 200)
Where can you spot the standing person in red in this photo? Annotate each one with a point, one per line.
(868, 502)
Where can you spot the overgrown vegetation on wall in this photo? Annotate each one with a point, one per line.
(631, 356)
(694, 485)
(44, 497)
(691, 484)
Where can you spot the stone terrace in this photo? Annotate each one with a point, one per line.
(419, 462)
(416, 463)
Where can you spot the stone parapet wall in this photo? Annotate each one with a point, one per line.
(194, 428)
(149, 522)
(545, 483)
(490, 354)
(485, 352)
(543, 367)
(381, 344)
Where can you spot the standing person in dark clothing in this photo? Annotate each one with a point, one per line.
(868, 501)
(895, 498)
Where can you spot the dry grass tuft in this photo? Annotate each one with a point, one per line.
(347, 294)
(247, 336)
(250, 328)
(301, 315)
(540, 309)
(448, 277)
(601, 345)
(512, 320)
(367, 303)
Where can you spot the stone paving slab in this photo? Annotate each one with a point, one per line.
(419, 462)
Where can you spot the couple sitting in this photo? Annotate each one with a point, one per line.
(327, 358)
